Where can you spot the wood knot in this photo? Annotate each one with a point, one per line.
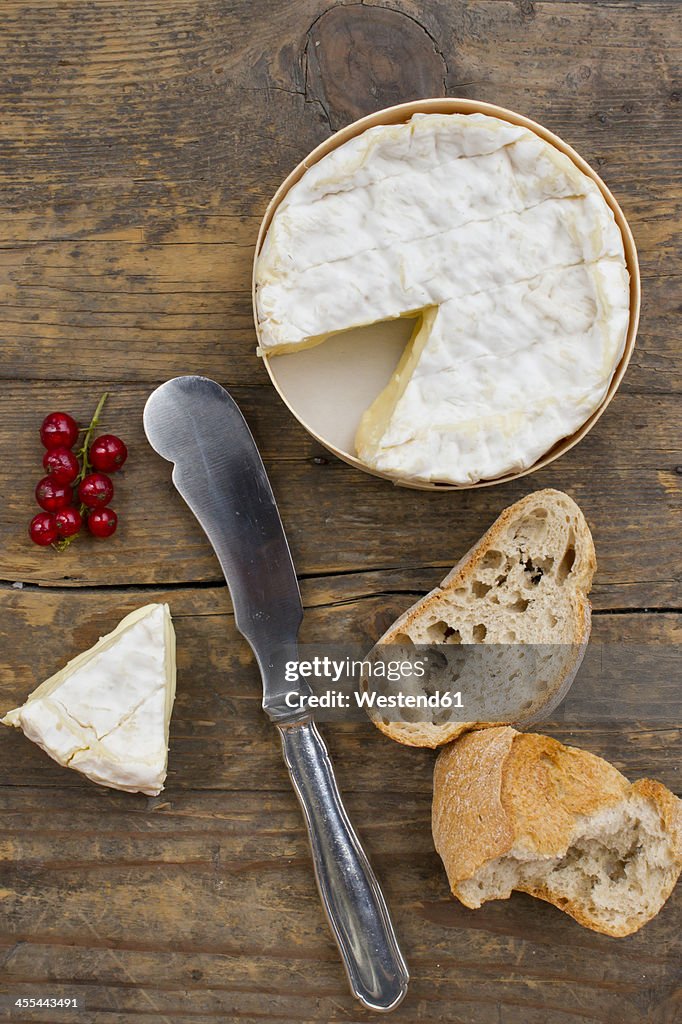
(359, 59)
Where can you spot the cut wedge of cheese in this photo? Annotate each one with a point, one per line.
(107, 712)
(504, 251)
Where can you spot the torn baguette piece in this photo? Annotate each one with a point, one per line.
(107, 712)
(515, 811)
(522, 589)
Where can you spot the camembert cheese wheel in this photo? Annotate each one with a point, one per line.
(504, 252)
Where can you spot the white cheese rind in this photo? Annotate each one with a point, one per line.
(495, 226)
(467, 416)
(107, 712)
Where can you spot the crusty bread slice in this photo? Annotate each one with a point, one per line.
(523, 811)
(525, 582)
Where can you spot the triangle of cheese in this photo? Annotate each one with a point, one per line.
(107, 712)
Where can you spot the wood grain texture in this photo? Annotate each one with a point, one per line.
(203, 898)
(140, 143)
(624, 475)
(218, 718)
(358, 56)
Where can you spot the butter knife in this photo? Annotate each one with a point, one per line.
(196, 424)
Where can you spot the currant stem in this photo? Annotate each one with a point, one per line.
(82, 456)
(83, 450)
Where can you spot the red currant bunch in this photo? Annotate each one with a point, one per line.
(84, 472)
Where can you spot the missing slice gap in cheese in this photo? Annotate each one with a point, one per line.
(376, 419)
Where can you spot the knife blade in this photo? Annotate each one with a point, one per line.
(194, 423)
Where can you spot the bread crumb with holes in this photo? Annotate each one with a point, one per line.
(525, 582)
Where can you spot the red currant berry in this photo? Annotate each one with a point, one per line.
(51, 495)
(108, 453)
(96, 490)
(102, 522)
(69, 521)
(59, 430)
(43, 529)
(61, 464)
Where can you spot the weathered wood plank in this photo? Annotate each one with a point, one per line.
(119, 311)
(114, 955)
(225, 919)
(139, 240)
(220, 738)
(511, 954)
(624, 475)
(141, 142)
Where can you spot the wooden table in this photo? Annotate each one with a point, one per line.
(140, 144)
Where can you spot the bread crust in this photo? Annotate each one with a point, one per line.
(497, 791)
(425, 734)
(471, 826)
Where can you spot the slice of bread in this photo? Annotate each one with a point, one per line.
(525, 582)
(523, 811)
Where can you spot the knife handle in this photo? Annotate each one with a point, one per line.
(350, 893)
